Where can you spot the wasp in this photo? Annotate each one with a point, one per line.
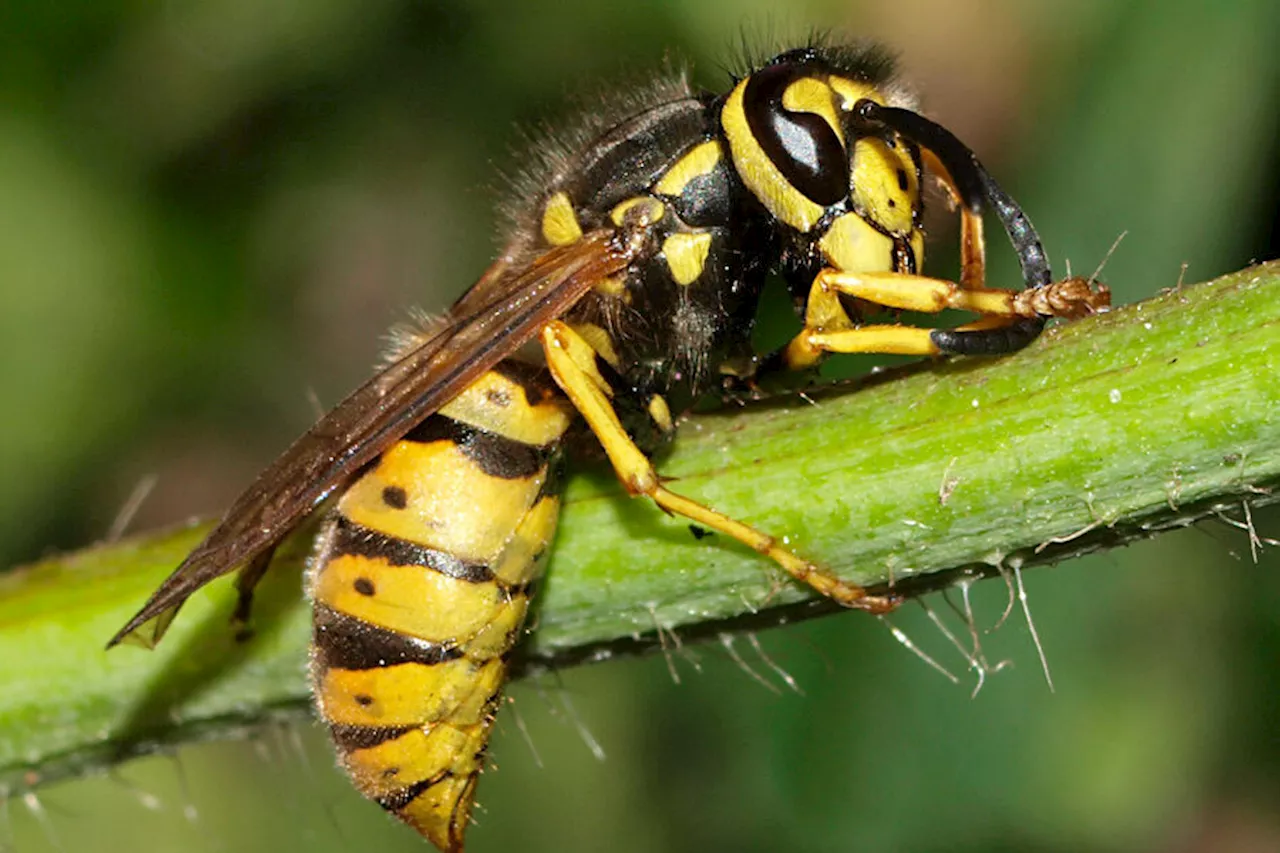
(627, 290)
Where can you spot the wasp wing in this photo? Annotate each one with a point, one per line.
(386, 407)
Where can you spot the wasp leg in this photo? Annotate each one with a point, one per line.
(1072, 297)
(991, 337)
(246, 580)
(1012, 318)
(573, 366)
(973, 256)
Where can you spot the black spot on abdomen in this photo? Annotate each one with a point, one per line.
(395, 497)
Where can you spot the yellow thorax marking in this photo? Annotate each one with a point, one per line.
(700, 160)
(559, 223)
(640, 211)
(686, 255)
(660, 412)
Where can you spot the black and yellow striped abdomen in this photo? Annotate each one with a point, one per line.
(420, 585)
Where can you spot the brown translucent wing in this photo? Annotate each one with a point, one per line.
(382, 410)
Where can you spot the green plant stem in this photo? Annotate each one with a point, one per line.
(1108, 429)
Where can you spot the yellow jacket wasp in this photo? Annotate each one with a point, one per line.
(636, 263)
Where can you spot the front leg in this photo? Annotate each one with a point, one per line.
(1011, 319)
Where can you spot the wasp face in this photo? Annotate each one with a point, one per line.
(848, 189)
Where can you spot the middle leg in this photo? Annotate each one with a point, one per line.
(571, 360)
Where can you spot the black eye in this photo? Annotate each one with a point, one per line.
(801, 144)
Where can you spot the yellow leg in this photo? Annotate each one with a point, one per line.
(827, 332)
(572, 364)
(1070, 297)
(807, 348)
(919, 293)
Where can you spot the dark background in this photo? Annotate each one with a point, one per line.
(209, 213)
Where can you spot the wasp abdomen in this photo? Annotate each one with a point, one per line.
(421, 584)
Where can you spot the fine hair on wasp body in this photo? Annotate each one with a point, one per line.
(633, 271)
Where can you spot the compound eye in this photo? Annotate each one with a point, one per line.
(792, 119)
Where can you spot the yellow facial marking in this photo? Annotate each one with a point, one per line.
(661, 413)
(852, 91)
(700, 160)
(885, 185)
(809, 95)
(539, 424)
(440, 482)
(640, 211)
(559, 223)
(759, 173)
(686, 255)
(409, 693)
(853, 245)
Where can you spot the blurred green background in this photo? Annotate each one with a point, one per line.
(209, 213)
